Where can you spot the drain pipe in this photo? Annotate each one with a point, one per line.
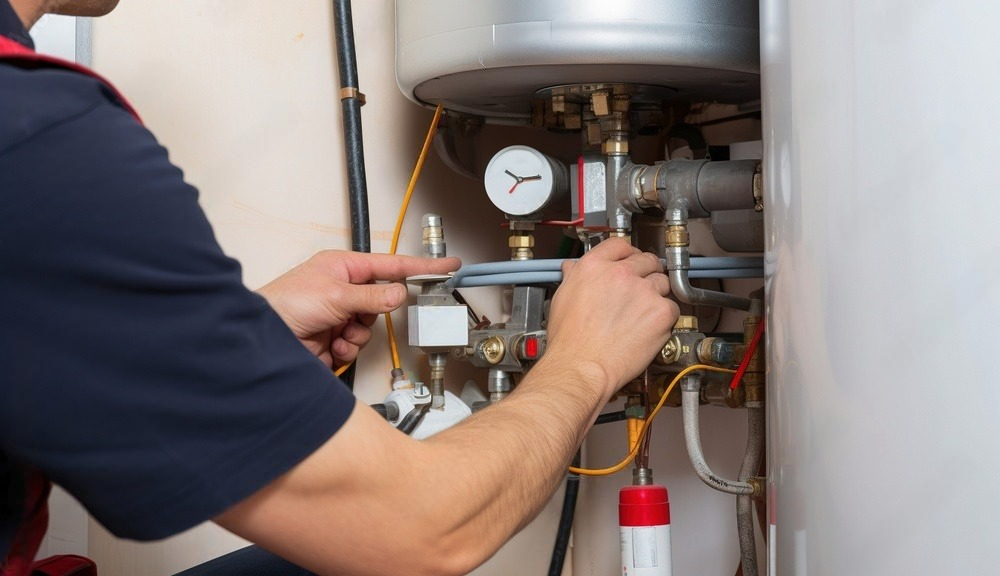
(351, 101)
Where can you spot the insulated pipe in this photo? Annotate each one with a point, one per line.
(690, 396)
(744, 503)
(351, 101)
(556, 276)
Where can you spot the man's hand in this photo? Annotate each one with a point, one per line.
(612, 310)
(329, 301)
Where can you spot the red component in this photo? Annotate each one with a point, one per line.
(643, 506)
(530, 348)
(754, 341)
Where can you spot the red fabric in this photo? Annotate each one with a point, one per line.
(64, 565)
(643, 506)
(20, 55)
(31, 530)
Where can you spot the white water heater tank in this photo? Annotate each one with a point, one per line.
(491, 57)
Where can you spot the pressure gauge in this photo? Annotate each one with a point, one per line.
(521, 180)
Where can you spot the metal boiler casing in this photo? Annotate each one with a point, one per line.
(883, 282)
(489, 58)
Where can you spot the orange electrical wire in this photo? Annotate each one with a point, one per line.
(414, 176)
(645, 424)
(390, 333)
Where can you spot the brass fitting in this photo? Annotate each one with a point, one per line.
(521, 245)
(493, 349)
(686, 324)
(677, 237)
(758, 483)
(615, 147)
(671, 351)
(600, 103)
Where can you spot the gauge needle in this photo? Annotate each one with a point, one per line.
(520, 179)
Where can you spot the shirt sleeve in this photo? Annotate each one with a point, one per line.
(136, 370)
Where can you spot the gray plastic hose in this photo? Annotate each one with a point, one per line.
(744, 504)
(692, 437)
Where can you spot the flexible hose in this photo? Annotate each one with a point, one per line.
(561, 546)
(744, 503)
(648, 422)
(692, 438)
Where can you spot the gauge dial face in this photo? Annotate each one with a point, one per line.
(520, 180)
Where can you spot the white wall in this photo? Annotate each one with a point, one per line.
(243, 93)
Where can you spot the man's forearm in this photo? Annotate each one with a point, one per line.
(506, 461)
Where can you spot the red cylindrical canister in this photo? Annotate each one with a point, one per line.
(644, 522)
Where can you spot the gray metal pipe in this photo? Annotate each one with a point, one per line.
(744, 503)
(727, 185)
(690, 396)
(680, 285)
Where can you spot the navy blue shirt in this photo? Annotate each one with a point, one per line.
(136, 370)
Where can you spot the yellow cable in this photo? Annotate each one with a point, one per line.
(343, 369)
(633, 432)
(390, 334)
(645, 424)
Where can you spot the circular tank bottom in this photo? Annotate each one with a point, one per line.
(507, 93)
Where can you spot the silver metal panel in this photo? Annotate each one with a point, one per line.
(490, 57)
(880, 130)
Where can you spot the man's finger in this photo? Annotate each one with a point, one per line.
(362, 299)
(363, 268)
(357, 334)
(644, 263)
(613, 249)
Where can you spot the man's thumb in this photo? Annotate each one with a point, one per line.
(376, 298)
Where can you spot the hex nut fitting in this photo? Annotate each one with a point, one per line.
(686, 324)
(521, 241)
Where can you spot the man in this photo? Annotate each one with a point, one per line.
(138, 372)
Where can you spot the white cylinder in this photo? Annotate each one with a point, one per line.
(883, 285)
(644, 531)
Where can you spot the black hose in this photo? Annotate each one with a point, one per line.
(350, 103)
(412, 419)
(610, 417)
(565, 521)
(347, 66)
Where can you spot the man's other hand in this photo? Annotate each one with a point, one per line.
(611, 311)
(330, 301)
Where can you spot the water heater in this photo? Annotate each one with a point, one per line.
(493, 58)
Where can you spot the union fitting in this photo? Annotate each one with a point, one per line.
(677, 237)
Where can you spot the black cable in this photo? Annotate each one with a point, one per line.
(610, 417)
(350, 103)
(565, 521)
(412, 419)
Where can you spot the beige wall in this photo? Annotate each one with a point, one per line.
(243, 93)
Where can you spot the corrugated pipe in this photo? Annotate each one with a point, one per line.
(690, 396)
(744, 503)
